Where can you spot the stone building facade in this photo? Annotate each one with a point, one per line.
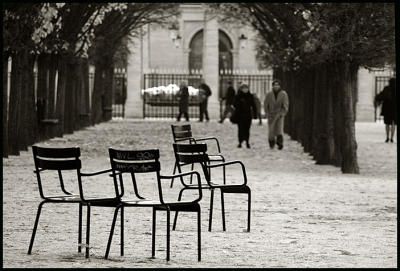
(204, 44)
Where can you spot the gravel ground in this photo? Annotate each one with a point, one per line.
(303, 215)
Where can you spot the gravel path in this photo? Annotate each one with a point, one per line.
(303, 215)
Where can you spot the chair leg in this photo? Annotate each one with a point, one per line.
(111, 232)
(211, 209)
(223, 171)
(176, 213)
(153, 235)
(87, 230)
(35, 226)
(168, 233)
(191, 176)
(122, 231)
(173, 173)
(198, 236)
(249, 211)
(80, 229)
(223, 211)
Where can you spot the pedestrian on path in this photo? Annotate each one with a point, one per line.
(205, 92)
(276, 106)
(387, 97)
(183, 95)
(257, 102)
(229, 97)
(245, 109)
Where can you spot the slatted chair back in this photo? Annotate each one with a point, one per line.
(56, 159)
(186, 154)
(182, 132)
(134, 162)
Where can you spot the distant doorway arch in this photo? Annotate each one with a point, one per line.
(225, 51)
(196, 52)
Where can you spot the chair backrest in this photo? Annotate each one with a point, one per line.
(181, 132)
(133, 162)
(137, 161)
(186, 154)
(57, 159)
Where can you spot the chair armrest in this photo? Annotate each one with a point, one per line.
(95, 173)
(228, 164)
(209, 138)
(183, 183)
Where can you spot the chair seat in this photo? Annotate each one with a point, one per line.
(215, 157)
(66, 198)
(77, 199)
(174, 205)
(233, 188)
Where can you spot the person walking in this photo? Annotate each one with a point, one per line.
(387, 97)
(205, 92)
(183, 95)
(245, 109)
(229, 97)
(257, 102)
(276, 106)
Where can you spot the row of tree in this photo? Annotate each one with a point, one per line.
(316, 49)
(63, 39)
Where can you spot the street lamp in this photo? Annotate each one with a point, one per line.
(173, 31)
(177, 41)
(242, 41)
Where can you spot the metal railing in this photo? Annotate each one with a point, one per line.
(166, 105)
(259, 82)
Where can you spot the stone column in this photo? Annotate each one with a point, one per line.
(138, 64)
(210, 64)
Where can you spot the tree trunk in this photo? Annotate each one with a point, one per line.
(98, 91)
(30, 121)
(69, 96)
(51, 129)
(84, 106)
(348, 139)
(61, 87)
(14, 105)
(321, 147)
(5, 105)
(107, 106)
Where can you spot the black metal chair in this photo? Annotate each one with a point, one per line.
(147, 161)
(59, 160)
(183, 133)
(197, 153)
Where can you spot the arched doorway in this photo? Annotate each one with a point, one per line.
(196, 52)
(225, 51)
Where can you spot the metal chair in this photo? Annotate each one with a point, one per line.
(182, 133)
(60, 160)
(134, 162)
(197, 153)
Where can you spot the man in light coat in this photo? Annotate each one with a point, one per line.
(276, 106)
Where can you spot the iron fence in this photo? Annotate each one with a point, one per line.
(259, 83)
(166, 105)
(119, 93)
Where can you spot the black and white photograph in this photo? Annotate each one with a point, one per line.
(199, 135)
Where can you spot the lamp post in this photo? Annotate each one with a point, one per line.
(173, 31)
(177, 41)
(242, 41)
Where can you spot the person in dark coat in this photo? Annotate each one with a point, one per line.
(387, 97)
(229, 97)
(257, 102)
(183, 101)
(205, 92)
(245, 109)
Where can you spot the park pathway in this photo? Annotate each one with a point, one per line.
(303, 215)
